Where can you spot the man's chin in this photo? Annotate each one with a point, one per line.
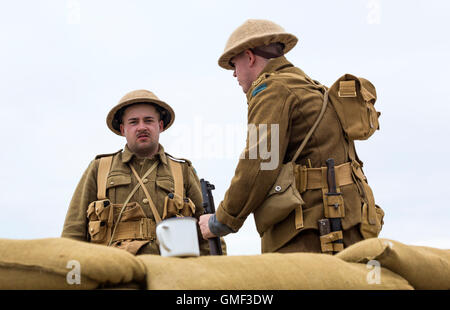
(147, 148)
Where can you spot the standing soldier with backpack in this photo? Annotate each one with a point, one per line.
(319, 178)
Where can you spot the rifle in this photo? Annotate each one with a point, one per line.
(215, 247)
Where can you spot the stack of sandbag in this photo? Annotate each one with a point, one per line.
(299, 271)
(423, 267)
(59, 263)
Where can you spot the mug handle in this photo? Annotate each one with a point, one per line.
(161, 232)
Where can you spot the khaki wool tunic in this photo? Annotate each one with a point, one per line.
(120, 183)
(293, 103)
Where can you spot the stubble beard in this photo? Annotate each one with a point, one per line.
(147, 149)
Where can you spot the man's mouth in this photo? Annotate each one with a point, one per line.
(143, 136)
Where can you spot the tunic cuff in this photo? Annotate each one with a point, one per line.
(225, 218)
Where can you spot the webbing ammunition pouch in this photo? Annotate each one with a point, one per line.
(126, 225)
(175, 204)
(176, 207)
(134, 225)
(353, 99)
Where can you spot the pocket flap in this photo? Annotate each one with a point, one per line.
(118, 180)
(166, 184)
(283, 181)
(94, 228)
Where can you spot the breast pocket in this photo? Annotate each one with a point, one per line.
(165, 189)
(118, 187)
(164, 186)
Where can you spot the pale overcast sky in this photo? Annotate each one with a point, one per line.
(65, 64)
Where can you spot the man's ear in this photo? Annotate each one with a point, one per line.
(251, 57)
(161, 126)
(122, 130)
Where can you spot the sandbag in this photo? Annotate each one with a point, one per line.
(60, 263)
(273, 271)
(423, 267)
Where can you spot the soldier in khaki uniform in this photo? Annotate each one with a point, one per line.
(280, 93)
(122, 196)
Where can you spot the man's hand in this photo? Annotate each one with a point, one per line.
(204, 227)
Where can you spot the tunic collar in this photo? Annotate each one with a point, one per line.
(274, 64)
(127, 155)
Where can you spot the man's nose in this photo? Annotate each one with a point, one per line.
(141, 126)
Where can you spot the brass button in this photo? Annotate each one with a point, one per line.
(112, 183)
(145, 200)
(145, 181)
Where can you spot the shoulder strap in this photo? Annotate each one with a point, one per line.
(150, 201)
(177, 174)
(313, 128)
(102, 175)
(319, 118)
(147, 194)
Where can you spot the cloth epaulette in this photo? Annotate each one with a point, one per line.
(180, 160)
(261, 78)
(110, 154)
(258, 85)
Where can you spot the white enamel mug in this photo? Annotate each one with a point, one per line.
(177, 236)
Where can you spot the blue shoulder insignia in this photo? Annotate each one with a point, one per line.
(259, 89)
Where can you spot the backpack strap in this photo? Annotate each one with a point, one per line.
(313, 128)
(177, 173)
(102, 175)
(322, 111)
(147, 194)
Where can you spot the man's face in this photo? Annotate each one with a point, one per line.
(141, 127)
(242, 70)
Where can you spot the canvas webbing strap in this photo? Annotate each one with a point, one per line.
(142, 229)
(147, 194)
(102, 175)
(154, 211)
(177, 174)
(319, 118)
(313, 128)
(327, 242)
(315, 178)
(347, 88)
